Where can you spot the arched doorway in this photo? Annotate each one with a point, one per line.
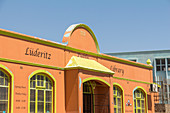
(96, 98)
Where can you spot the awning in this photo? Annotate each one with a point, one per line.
(87, 64)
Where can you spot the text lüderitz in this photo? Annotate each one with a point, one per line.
(37, 53)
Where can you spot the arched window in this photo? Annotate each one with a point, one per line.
(41, 94)
(139, 101)
(117, 99)
(4, 92)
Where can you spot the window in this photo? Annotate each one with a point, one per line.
(139, 101)
(41, 94)
(168, 60)
(87, 88)
(4, 92)
(117, 99)
(135, 60)
(160, 64)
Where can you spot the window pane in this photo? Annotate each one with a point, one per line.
(32, 95)
(40, 95)
(3, 106)
(42, 83)
(32, 107)
(163, 61)
(48, 107)
(48, 96)
(163, 68)
(142, 96)
(157, 61)
(3, 93)
(168, 60)
(118, 92)
(168, 67)
(1, 81)
(38, 83)
(114, 101)
(47, 79)
(33, 78)
(119, 102)
(114, 110)
(142, 102)
(119, 110)
(38, 77)
(1, 74)
(46, 85)
(40, 107)
(50, 85)
(42, 77)
(143, 111)
(135, 103)
(138, 95)
(139, 111)
(6, 81)
(114, 92)
(138, 103)
(33, 84)
(158, 68)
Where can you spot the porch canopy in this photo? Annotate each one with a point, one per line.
(87, 64)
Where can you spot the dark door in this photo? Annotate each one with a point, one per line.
(87, 103)
(102, 103)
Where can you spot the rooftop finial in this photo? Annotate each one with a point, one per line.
(148, 62)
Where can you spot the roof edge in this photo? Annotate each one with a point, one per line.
(55, 44)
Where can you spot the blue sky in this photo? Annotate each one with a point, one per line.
(119, 25)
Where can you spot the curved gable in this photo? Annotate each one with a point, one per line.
(80, 36)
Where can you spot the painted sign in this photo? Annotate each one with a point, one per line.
(37, 53)
(117, 70)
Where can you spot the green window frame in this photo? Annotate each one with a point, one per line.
(117, 99)
(87, 88)
(41, 94)
(4, 92)
(139, 101)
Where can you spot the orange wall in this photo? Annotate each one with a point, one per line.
(21, 77)
(67, 87)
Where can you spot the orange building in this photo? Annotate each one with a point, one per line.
(42, 76)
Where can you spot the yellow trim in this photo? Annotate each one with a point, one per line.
(95, 78)
(73, 27)
(11, 85)
(93, 97)
(52, 44)
(91, 32)
(123, 101)
(146, 99)
(54, 91)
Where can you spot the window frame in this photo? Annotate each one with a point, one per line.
(135, 99)
(8, 86)
(160, 65)
(53, 81)
(121, 97)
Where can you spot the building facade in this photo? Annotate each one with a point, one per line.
(41, 76)
(160, 60)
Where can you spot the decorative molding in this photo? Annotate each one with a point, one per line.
(135, 81)
(9, 73)
(30, 63)
(96, 78)
(53, 44)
